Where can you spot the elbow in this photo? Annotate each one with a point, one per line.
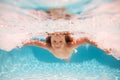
(26, 43)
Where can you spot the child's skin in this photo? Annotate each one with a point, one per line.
(60, 44)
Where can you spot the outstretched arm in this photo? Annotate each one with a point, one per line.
(35, 43)
(83, 40)
(87, 40)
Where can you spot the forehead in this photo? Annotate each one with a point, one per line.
(57, 37)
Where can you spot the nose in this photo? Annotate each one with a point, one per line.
(57, 44)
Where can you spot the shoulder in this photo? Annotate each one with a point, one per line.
(72, 44)
(77, 42)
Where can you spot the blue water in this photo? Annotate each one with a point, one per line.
(78, 7)
(35, 63)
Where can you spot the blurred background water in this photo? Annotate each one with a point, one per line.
(34, 63)
(73, 6)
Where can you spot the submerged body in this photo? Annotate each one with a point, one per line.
(61, 44)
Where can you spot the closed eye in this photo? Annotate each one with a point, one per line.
(54, 41)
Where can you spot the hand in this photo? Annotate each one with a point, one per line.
(108, 51)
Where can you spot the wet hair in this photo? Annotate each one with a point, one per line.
(68, 38)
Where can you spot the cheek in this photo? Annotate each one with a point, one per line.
(62, 44)
(52, 44)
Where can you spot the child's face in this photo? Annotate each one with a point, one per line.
(58, 41)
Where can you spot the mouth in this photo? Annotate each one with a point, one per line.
(57, 47)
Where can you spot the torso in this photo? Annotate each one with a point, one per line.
(63, 54)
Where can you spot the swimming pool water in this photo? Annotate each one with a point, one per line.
(34, 63)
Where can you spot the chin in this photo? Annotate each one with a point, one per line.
(57, 47)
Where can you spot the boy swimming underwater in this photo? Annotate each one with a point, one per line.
(60, 44)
